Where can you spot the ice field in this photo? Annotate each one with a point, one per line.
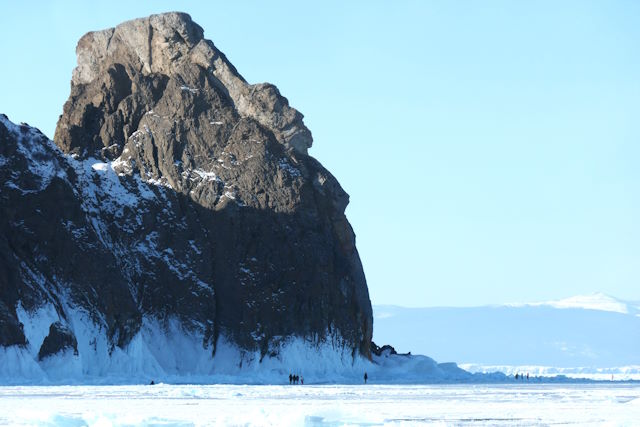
(323, 405)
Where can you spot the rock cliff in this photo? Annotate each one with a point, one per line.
(175, 192)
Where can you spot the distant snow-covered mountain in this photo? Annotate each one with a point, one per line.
(592, 331)
(596, 301)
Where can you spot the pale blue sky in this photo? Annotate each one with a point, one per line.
(491, 149)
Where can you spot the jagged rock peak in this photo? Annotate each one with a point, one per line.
(123, 72)
(155, 43)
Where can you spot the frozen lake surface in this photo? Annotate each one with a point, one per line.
(322, 405)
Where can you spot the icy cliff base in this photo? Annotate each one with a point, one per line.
(165, 352)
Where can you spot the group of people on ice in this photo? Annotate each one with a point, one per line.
(299, 379)
(522, 376)
(296, 379)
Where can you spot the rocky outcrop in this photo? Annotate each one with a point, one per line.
(386, 350)
(176, 190)
(164, 62)
(378, 351)
(59, 339)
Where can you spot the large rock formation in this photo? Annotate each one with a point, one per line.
(175, 191)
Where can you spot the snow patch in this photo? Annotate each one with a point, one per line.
(206, 176)
(284, 164)
(189, 89)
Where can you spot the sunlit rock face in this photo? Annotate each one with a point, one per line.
(175, 191)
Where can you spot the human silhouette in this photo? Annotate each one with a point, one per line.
(366, 377)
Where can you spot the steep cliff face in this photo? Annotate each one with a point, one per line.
(175, 192)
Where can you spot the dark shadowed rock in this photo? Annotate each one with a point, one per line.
(385, 349)
(60, 338)
(10, 330)
(183, 192)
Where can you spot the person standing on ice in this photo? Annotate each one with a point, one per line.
(366, 377)
(290, 379)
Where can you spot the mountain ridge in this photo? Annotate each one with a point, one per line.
(594, 301)
(537, 334)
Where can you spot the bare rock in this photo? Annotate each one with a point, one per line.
(59, 339)
(153, 52)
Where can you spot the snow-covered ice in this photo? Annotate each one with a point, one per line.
(321, 405)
